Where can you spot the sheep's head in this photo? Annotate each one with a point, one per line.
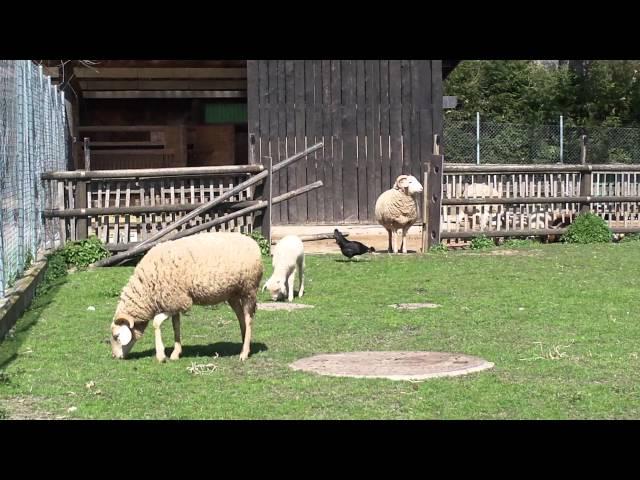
(125, 331)
(408, 184)
(277, 289)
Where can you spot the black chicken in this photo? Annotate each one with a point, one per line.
(350, 248)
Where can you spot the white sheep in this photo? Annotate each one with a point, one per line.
(480, 190)
(203, 269)
(397, 210)
(288, 256)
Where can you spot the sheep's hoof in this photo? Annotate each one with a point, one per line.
(175, 355)
(161, 358)
(244, 356)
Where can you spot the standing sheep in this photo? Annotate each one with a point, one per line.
(203, 269)
(397, 209)
(288, 255)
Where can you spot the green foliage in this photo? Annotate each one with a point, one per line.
(56, 269)
(78, 254)
(588, 228)
(440, 248)
(83, 253)
(481, 242)
(518, 242)
(587, 93)
(263, 243)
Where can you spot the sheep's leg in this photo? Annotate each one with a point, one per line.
(404, 239)
(395, 242)
(177, 346)
(301, 276)
(157, 323)
(290, 280)
(390, 246)
(237, 308)
(246, 345)
(400, 237)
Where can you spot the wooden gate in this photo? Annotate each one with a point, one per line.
(376, 118)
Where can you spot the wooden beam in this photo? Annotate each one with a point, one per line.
(111, 94)
(91, 84)
(164, 73)
(153, 172)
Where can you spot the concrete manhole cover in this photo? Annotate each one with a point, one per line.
(413, 306)
(392, 365)
(282, 306)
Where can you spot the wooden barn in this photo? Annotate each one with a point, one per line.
(376, 118)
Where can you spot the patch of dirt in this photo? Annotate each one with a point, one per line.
(392, 365)
(500, 253)
(289, 307)
(26, 408)
(371, 235)
(414, 306)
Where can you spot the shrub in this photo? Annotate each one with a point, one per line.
(588, 228)
(440, 248)
(518, 242)
(83, 253)
(263, 243)
(481, 242)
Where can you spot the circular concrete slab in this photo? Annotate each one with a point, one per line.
(413, 306)
(282, 306)
(392, 365)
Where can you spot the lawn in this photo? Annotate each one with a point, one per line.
(559, 322)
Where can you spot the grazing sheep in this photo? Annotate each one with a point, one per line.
(203, 269)
(288, 256)
(397, 210)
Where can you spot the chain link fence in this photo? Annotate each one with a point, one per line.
(529, 144)
(33, 139)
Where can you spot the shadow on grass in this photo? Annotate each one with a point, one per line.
(9, 347)
(223, 349)
(346, 260)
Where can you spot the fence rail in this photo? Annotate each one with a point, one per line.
(128, 207)
(528, 200)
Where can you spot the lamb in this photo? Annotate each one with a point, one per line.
(203, 269)
(288, 256)
(397, 210)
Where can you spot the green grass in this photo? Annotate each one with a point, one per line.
(559, 322)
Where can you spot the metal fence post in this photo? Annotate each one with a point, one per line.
(561, 139)
(478, 138)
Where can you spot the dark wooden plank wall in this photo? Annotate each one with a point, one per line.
(376, 118)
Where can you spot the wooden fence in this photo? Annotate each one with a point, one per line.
(526, 200)
(124, 207)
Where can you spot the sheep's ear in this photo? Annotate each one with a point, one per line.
(124, 319)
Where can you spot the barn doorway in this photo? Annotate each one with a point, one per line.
(162, 113)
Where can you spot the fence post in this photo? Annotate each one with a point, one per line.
(263, 192)
(561, 139)
(586, 180)
(80, 200)
(432, 198)
(478, 138)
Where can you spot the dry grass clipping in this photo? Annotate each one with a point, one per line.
(554, 353)
(202, 368)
